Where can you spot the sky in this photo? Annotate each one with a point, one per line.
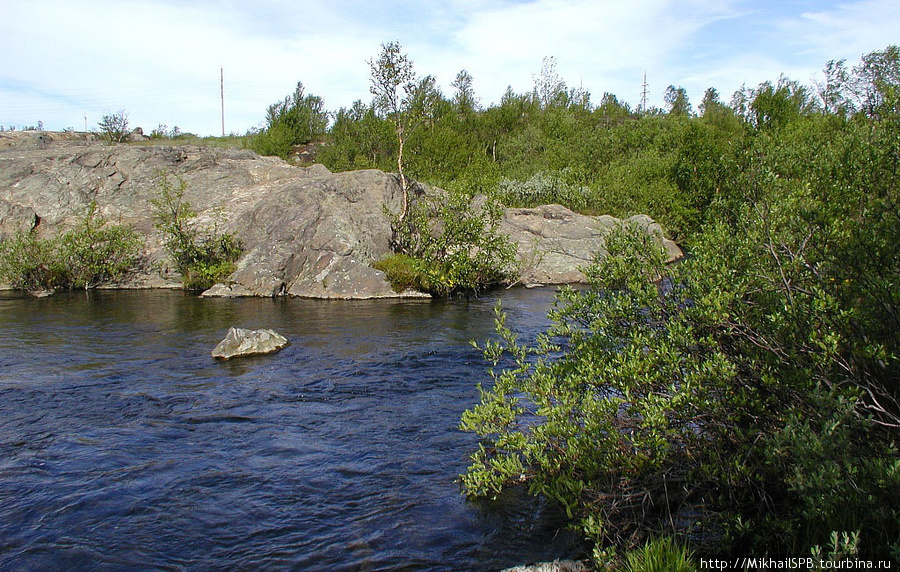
(67, 63)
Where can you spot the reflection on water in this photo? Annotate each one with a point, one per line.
(124, 445)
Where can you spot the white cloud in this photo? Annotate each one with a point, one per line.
(848, 30)
(159, 59)
(161, 62)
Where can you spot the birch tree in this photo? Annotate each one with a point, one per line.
(393, 83)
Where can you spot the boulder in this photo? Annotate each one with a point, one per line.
(316, 235)
(555, 243)
(136, 135)
(240, 342)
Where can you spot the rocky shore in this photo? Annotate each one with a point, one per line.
(306, 231)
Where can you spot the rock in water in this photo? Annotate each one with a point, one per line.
(240, 342)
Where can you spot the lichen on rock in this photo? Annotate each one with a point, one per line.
(240, 342)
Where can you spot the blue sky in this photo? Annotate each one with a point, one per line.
(160, 60)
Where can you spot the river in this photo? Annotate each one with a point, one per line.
(125, 446)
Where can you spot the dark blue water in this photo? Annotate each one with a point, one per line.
(125, 446)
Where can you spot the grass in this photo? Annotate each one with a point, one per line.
(232, 141)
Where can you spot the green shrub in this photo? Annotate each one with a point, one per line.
(275, 141)
(29, 263)
(730, 378)
(598, 413)
(297, 120)
(450, 246)
(114, 127)
(91, 254)
(95, 253)
(841, 545)
(202, 255)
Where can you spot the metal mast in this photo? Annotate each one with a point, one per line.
(643, 108)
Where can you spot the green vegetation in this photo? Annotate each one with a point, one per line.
(114, 127)
(745, 401)
(202, 255)
(659, 555)
(548, 144)
(403, 100)
(447, 246)
(162, 131)
(29, 263)
(298, 120)
(178, 138)
(91, 254)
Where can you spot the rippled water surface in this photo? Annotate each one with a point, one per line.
(125, 446)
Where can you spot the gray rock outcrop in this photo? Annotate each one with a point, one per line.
(554, 243)
(316, 236)
(306, 231)
(240, 342)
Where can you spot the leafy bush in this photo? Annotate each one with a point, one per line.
(544, 188)
(297, 120)
(114, 127)
(753, 386)
(29, 263)
(446, 246)
(162, 131)
(202, 255)
(599, 413)
(359, 139)
(91, 254)
(95, 253)
(841, 545)
(274, 141)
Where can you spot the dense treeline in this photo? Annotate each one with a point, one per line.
(554, 144)
(746, 400)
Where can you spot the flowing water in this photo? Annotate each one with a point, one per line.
(125, 446)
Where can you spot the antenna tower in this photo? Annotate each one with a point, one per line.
(643, 108)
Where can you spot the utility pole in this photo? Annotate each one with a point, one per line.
(643, 108)
(222, 93)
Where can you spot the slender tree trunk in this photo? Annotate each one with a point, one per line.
(404, 184)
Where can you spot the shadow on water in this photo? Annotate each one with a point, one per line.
(124, 445)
